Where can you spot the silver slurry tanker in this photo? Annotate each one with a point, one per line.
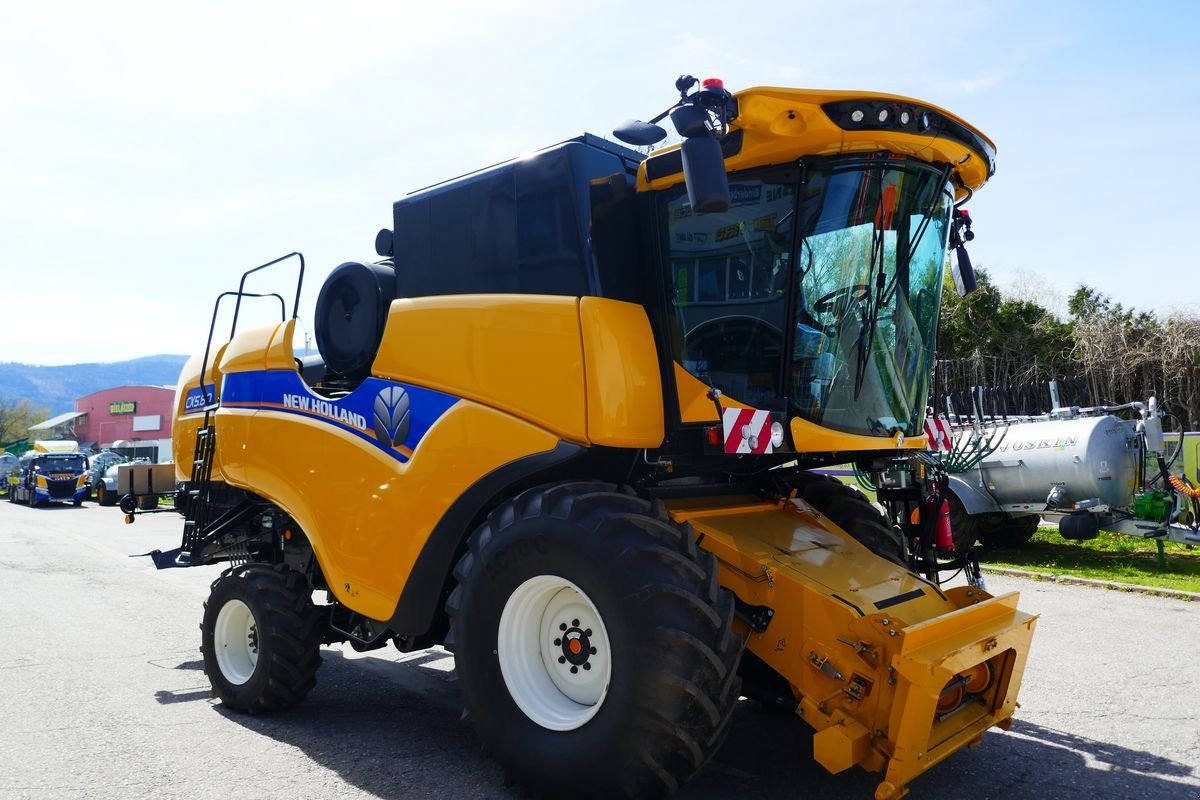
(1086, 469)
(1092, 458)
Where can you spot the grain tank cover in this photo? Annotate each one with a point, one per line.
(1089, 456)
(526, 226)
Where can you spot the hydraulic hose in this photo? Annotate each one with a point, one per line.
(1183, 488)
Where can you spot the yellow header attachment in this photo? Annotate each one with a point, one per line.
(778, 126)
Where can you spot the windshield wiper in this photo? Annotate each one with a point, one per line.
(874, 296)
(885, 290)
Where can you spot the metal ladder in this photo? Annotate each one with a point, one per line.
(195, 518)
(199, 530)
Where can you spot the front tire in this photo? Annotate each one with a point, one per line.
(593, 644)
(261, 638)
(105, 496)
(851, 511)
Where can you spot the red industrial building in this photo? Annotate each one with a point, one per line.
(127, 416)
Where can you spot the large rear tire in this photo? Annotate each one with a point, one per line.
(851, 511)
(105, 496)
(261, 638)
(593, 644)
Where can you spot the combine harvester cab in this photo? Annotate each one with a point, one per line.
(564, 428)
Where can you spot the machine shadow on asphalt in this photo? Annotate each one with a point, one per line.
(361, 718)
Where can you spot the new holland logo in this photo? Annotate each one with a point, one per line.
(391, 416)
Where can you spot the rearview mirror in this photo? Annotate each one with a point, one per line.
(704, 174)
(703, 161)
(964, 273)
(638, 133)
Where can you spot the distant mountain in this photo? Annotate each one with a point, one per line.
(57, 388)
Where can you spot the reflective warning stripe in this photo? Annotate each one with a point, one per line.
(938, 431)
(746, 430)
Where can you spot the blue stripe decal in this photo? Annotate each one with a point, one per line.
(392, 416)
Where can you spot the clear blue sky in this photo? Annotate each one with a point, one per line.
(150, 152)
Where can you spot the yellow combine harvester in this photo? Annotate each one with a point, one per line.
(564, 426)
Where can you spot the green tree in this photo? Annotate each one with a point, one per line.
(987, 339)
(16, 416)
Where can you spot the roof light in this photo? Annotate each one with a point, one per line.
(712, 83)
(890, 115)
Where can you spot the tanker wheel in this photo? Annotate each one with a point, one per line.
(1015, 532)
(969, 528)
(593, 644)
(261, 638)
(851, 511)
(105, 496)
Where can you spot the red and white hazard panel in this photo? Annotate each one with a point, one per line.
(748, 430)
(938, 431)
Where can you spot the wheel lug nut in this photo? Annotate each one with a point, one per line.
(593, 651)
(574, 670)
(588, 632)
(575, 622)
(562, 626)
(562, 659)
(558, 642)
(587, 666)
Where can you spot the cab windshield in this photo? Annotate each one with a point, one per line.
(63, 463)
(817, 293)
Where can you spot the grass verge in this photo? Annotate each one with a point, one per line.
(1108, 557)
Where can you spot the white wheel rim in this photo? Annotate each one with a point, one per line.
(554, 653)
(235, 639)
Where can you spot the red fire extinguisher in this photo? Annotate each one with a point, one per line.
(943, 538)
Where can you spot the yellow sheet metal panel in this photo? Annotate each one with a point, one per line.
(779, 125)
(840, 636)
(808, 437)
(840, 747)
(624, 385)
(280, 354)
(522, 354)
(694, 403)
(189, 418)
(368, 514)
(248, 349)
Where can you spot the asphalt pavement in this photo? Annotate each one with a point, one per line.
(102, 696)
